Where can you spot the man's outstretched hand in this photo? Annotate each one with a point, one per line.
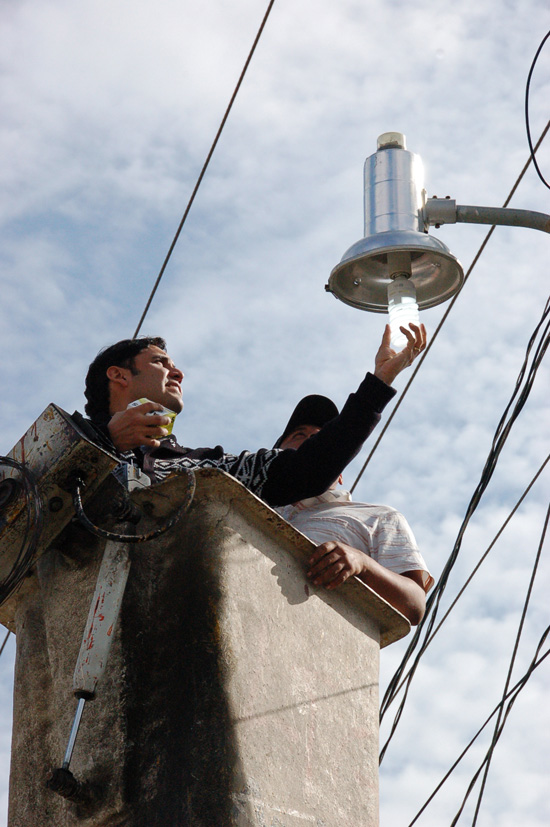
(388, 363)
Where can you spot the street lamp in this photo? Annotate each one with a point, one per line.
(397, 266)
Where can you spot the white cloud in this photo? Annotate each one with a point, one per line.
(108, 112)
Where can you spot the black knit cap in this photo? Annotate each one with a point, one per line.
(311, 410)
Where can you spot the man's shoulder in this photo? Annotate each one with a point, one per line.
(170, 447)
(340, 503)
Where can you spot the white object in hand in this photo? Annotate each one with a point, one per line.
(164, 412)
(402, 309)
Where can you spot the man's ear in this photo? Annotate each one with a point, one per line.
(340, 480)
(118, 375)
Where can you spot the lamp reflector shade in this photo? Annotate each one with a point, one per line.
(362, 277)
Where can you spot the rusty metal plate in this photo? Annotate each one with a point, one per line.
(51, 449)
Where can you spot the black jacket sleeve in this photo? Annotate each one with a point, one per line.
(319, 461)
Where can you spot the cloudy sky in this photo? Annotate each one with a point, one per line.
(108, 112)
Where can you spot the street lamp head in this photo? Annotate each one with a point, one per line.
(396, 242)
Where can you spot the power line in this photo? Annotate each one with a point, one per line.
(4, 642)
(204, 168)
(526, 378)
(527, 127)
(476, 568)
(449, 308)
(511, 698)
(498, 725)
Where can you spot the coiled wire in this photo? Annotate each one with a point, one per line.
(78, 484)
(32, 532)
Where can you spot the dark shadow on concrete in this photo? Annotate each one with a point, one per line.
(182, 760)
(292, 586)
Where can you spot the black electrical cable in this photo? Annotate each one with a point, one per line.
(527, 127)
(510, 698)
(435, 597)
(33, 528)
(77, 484)
(501, 435)
(479, 563)
(498, 725)
(4, 642)
(205, 165)
(537, 359)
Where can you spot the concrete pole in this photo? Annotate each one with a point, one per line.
(236, 694)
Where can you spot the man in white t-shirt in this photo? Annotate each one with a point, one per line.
(372, 542)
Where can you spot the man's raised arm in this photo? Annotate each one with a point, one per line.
(312, 468)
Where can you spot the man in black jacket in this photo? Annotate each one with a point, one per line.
(372, 542)
(140, 368)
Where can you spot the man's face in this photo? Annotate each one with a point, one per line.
(156, 378)
(299, 435)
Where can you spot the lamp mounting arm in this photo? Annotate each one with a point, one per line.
(437, 211)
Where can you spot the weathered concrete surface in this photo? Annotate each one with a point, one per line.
(236, 694)
(51, 450)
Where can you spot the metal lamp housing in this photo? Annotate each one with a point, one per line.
(394, 200)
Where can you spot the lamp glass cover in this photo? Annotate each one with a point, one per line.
(402, 309)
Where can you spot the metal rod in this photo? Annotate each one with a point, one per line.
(447, 211)
(503, 216)
(102, 618)
(74, 732)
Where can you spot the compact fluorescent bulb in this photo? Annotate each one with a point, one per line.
(402, 309)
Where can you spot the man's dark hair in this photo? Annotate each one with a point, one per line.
(122, 354)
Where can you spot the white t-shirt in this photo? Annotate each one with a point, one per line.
(377, 530)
